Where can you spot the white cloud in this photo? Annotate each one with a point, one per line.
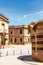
(38, 12)
(19, 19)
(28, 15)
(25, 16)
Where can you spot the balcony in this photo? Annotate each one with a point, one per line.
(1, 31)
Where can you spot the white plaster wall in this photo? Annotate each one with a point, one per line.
(6, 29)
(6, 26)
(17, 49)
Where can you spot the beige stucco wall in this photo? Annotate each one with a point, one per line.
(6, 29)
(6, 26)
(26, 35)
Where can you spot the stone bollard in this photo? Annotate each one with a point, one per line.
(21, 51)
(0, 53)
(7, 53)
(28, 51)
(13, 52)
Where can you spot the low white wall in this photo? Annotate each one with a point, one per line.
(16, 49)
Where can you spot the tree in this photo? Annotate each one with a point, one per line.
(3, 41)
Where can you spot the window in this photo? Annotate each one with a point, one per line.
(39, 36)
(20, 31)
(32, 37)
(40, 42)
(11, 31)
(40, 48)
(15, 39)
(33, 48)
(33, 42)
(20, 39)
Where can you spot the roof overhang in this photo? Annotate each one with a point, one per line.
(4, 18)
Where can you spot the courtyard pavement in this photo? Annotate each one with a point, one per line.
(28, 59)
(17, 55)
(15, 60)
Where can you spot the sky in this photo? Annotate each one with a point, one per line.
(22, 12)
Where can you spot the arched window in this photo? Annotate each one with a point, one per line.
(20, 31)
(20, 39)
(15, 40)
(10, 31)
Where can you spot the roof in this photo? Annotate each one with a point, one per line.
(19, 26)
(4, 18)
(12, 26)
(32, 23)
(39, 22)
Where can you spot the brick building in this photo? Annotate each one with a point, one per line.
(37, 41)
(19, 34)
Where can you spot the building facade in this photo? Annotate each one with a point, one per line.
(19, 34)
(37, 41)
(4, 30)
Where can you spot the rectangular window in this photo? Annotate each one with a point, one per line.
(32, 37)
(40, 48)
(39, 36)
(33, 48)
(15, 39)
(20, 31)
(20, 39)
(11, 31)
(40, 42)
(33, 42)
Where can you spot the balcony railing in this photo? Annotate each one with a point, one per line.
(1, 31)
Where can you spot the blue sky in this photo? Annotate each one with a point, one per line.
(22, 12)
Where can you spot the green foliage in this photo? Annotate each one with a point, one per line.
(3, 40)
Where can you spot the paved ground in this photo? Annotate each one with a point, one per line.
(11, 60)
(28, 59)
(14, 60)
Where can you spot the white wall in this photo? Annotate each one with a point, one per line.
(16, 50)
